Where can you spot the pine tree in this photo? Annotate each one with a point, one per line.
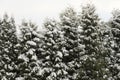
(72, 47)
(61, 48)
(8, 41)
(114, 24)
(50, 54)
(27, 60)
(77, 47)
(107, 40)
(93, 62)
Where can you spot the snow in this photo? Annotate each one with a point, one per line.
(18, 45)
(55, 30)
(80, 28)
(59, 72)
(71, 64)
(49, 44)
(32, 43)
(6, 50)
(22, 56)
(64, 72)
(117, 66)
(47, 57)
(10, 67)
(52, 40)
(20, 78)
(36, 39)
(112, 43)
(52, 54)
(53, 74)
(37, 34)
(94, 34)
(49, 78)
(31, 51)
(40, 72)
(81, 46)
(4, 78)
(63, 65)
(87, 38)
(57, 65)
(66, 27)
(84, 57)
(28, 34)
(59, 54)
(118, 55)
(57, 59)
(34, 57)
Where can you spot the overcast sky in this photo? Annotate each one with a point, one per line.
(38, 10)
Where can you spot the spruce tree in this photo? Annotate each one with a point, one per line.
(8, 41)
(27, 60)
(50, 53)
(107, 41)
(61, 48)
(114, 24)
(72, 47)
(93, 60)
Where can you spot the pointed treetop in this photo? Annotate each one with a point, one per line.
(69, 17)
(116, 13)
(88, 8)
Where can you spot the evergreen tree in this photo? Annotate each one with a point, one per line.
(72, 47)
(27, 60)
(114, 24)
(78, 47)
(61, 48)
(51, 55)
(93, 62)
(107, 41)
(8, 41)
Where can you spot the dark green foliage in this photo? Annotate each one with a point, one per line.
(114, 24)
(72, 42)
(61, 48)
(77, 47)
(8, 55)
(94, 64)
(50, 48)
(27, 60)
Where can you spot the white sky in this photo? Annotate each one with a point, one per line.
(38, 10)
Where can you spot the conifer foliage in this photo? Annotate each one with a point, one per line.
(115, 45)
(72, 47)
(8, 41)
(27, 59)
(77, 47)
(93, 63)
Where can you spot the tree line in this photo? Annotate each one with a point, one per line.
(77, 47)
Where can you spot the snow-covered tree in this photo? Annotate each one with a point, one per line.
(114, 24)
(107, 41)
(61, 48)
(50, 54)
(72, 47)
(93, 62)
(8, 40)
(77, 47)
(27, 60)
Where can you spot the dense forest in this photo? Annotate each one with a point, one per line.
(79, 46)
